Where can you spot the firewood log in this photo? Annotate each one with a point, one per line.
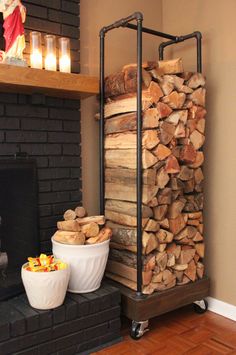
(128, 272)
(86, 220)
(127, 158)
(128, 192)
(128, 140)
(128, 208)
(80, 211)
(128, 103)
(69, 225)
(128, 121)
(69, 215)
(121, 218)
(104, 234)
(173, 66)
(128, 176)
(196, 80)
(65, 237)
(90, 229)
(130, 259)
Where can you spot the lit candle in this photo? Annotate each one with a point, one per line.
(64, 54)
(35, 50)
(50, 62)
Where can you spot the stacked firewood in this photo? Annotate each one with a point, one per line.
(173, 121)
(78, 229)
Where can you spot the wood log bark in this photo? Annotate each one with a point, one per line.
(69, 225)
(66, 237)
(128, 140)
(128, 272)
(130, 259)
(128, 192)
(127, 208)
(121, 218)
(128, 176)
(127, 158)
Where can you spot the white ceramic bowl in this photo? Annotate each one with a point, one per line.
(45, 290)
(87, 264)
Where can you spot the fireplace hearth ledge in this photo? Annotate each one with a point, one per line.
(83, 323)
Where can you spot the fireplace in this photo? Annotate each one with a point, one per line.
(19, 237)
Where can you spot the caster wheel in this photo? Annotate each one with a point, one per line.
(138, 329)
(200, 307)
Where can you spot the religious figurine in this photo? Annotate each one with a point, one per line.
(14, 15)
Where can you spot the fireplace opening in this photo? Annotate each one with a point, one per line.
(19, 237)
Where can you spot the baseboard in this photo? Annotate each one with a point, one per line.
(224, 309)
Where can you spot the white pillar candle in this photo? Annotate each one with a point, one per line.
(50, 62)
(64, 55)
(35, 50)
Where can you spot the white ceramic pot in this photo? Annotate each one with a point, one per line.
(87, 264)
(45, 290)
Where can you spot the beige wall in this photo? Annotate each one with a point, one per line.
(120, 50)
(216, 20)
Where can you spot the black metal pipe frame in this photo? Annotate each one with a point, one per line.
(179, 39)
(125, 22)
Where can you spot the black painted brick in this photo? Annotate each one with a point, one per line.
(46, 234)
(8, 98)
(42, 162)
(95, 331)
(15, 319)
(59, 314)
(71, 149)
(41, 125)
(115, 324)
(53, 173)
(44, 186)
(53, 197)
(82, 304)
(34, 23)
(69, 351)
(1, 110)
(69, 31)
(38, 99)
(37, 11)
(45, 210)
(8, 149)
(31, 316)
(64, 113)
(55, 4)
(75, 172)
(24, 342)
(67, 162)
(9, 123)
(65, 185)
(63, 137)
(60, 208)
(42, 149)
(69, 6)
(62, 17)
(26, 111)
(48, 222)
(70, 308)
(22, 137)
(54, 102)
(1, 136)
(71, 126)
(76, 196)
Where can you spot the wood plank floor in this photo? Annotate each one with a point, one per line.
(180, 332)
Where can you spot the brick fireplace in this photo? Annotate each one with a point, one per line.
(47, 129)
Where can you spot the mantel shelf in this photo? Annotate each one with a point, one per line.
(32, 81)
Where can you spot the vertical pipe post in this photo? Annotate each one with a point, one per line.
(139, 157)
(101, 126)
(199, 51)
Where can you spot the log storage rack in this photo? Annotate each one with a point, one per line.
(135, 305)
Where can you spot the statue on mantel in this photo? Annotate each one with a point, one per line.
(14, 15)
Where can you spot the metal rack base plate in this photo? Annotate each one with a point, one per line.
(140, 309)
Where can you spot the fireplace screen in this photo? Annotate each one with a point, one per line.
(18, 221)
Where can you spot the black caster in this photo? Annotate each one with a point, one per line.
(200, 307)
(138, 329)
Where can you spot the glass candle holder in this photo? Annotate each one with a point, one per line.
(35, 50)
(64, 55)
(50, 62)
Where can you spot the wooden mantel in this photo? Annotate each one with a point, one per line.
(32, 81)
